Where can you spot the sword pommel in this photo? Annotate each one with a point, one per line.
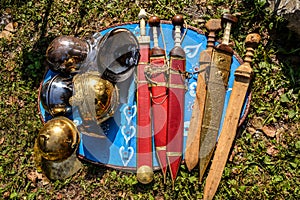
(229, 19)
(212, 26)
(252, 41)
(142, 16)
(177, 20)
(156, 51)
(245, 72)
(154, 21)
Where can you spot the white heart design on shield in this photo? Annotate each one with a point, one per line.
(131, 115)
(192, 50)
(130, 151)
(127, 136)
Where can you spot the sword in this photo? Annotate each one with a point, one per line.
(176, 85)
(159, 96)
(243, 76)
(144, 130)
(214, 103)
(193, 139)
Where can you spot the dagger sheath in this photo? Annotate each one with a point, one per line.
(176, 87)
(144, 140)
(144, 129)
(159, 102)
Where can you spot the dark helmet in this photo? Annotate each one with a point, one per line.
(118, 54)
(55, 94)
(65, 53)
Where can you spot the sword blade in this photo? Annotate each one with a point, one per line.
(194, 134)
(193, 139)
(227, 134)
(243, 76)
(212, 116)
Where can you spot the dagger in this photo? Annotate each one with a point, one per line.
(176, 85)
(215, 97)
(144, 130)
(243, 76)
(159, 98)
(193, 139)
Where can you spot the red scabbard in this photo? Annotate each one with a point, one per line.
(159, 111)
(144, 131)
(176, 109)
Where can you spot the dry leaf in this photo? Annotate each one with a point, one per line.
(10, 27)
(2, 140)
(6, 34)
(6, 194)
(10, 65)
(269, 131)
(272, 151)
(257, 122)
(251, 130)
(32, 176)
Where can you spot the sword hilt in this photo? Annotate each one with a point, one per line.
(177, 21)
(229, 19)
(251, 42)
(142, 16)
(245, 70)
(212, 26)
(154, 22)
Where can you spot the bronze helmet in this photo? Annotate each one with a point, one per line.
(57, 140)
(55, 149)
(95, 97)
(55, 94)
(65, 53)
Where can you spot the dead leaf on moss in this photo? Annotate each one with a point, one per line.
(32, 176)
(272, 151)
(10, 27)
(257, 122)
(270, 131)
(2, 140)
(6, 35)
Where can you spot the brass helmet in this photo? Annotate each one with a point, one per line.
(95, 97)
(55, 149)
(57, 140)
(65, 53)
(55, 94)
